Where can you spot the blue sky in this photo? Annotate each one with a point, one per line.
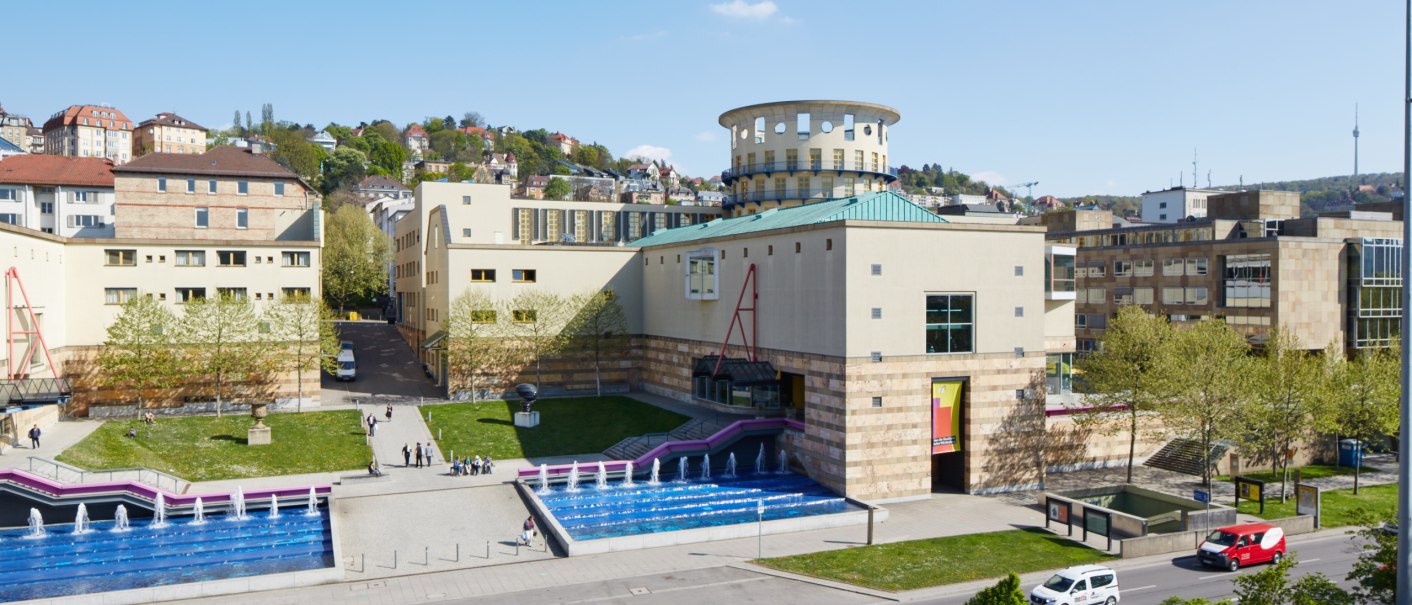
(1083, 97)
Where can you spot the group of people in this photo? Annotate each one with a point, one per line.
(372, 421)
(422, 453)
(472, 466)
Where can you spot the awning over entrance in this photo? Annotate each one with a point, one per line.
(435, 340)
(741, 372)
(34, 391)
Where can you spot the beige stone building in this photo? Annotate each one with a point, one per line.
(1253, 262)
(795, 152)
(89, 131)
(168, 133)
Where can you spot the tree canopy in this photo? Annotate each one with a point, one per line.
(355, 257)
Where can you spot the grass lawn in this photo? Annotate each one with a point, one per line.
(1311, 471)
(573, 425)
(206, 448)
(1340, 506)
(938, 561)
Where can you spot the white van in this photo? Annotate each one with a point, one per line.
(347, 366)
(1081, 585)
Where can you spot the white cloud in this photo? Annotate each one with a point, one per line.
(989, 176)
(706, 136)
(740, 9)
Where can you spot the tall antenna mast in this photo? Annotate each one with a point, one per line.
(1208, 179)
(1355, 140)
(1194, 181)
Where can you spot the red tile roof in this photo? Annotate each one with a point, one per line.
(110, 117)
(221, 161)
(415, 130)
(40, 169)
(168, 118)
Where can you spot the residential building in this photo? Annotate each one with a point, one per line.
(649, 170)
(36, 140)
(168, 133)
(1048, 202)
(8, 149)
(533, 187)
(1252, 262)
(433, 166)
(385, 211)
(1175, 204)
(376, 186)
(325, 140)
(84, 131)
(70, 197)
(226, 193)
(681, 195)
(503, 167)
(15, 129)
(565, 143)
(710, 198)
(415, 139)
(796, 152)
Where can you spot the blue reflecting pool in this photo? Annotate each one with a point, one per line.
(63, 563)
(591, 513)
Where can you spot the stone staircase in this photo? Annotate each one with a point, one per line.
(697, 428)
(1184, 456)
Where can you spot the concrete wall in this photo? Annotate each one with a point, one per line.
(146, 212)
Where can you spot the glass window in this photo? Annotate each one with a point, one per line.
(1196, 266)
(1173, 296)
(483, 316)
(203, 218)
(791, 159)
(121, 258)
(118, 296)
(211, 186)
(523, 275)
(950, 323)
(8, 195)
(1247, 280)
(1142, 296)
(162, 184)
(242, 218)
(190, 258)
(190, 294)
(1122, 296)
(1172, 267)
(483, 275)
(232, 293)
(191, 185)
(230, 258)
(279, 189)
(1122, 268)
(524, 316)
(1059, 373)
(294, 259)
(1197, 296)
(701, 276)
(1142, 267)
(1096, 269)
(1097, 296)
(300, 293)
(1059, 273)
(243, 188)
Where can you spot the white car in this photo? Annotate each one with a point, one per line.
(1081, 585)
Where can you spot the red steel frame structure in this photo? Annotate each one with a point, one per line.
(20, 370)
(749, 340)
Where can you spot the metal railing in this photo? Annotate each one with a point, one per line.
(744, 170)
(789, 194)
(65, 473)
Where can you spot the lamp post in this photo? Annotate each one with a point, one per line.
(1404, 472)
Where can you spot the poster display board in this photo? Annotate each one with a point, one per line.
(946, 417)
(1250, 489)
(1057, 510)
(1306, 501)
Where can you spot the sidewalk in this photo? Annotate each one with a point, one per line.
(57, 438)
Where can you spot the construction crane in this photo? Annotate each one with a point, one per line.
(1029, 190)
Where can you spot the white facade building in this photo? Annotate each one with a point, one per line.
(70, 197)
(1175, 204)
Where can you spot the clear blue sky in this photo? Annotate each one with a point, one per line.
(1084, 97)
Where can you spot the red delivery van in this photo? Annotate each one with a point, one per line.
(1237, 545)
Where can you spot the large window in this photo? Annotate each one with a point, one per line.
(190, 258)
(294, 259)
(1375, 293)
(950, 323)
(701, 278)
(1122, 268)
(118, 296)
(190, 294)
(1247, 280)
(120, 258)
(1059, 373)
(230, 258)
(231, 293)
(523, 275)
(296, 293)
(1142, 267)
(483, 316)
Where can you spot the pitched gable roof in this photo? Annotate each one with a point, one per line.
(218, 161)
(378, 181)
(40, 169)
(168, 118)
(876, 206)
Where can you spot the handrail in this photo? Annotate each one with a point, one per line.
(144, 475)
(745, 170)
(671, 447)
(57, 489)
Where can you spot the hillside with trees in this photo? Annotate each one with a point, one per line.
(1315, 194)
(929, 176)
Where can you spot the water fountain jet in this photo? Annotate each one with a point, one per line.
(120, 522)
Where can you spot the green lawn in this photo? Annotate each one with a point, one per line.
(206, 448)
(1312, 471)
(573, 425)
(938, 561)
(1340, 506)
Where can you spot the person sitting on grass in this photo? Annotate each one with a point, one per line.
(132, 432)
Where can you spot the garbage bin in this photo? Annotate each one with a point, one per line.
(1350, 453)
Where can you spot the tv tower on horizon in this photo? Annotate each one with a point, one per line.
(1355, 140)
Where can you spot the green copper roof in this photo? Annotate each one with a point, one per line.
(876, 206)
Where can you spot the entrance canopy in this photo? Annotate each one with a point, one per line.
(741, 372)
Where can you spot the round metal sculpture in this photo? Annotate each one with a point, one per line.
(528, 394)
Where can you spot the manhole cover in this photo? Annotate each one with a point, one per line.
(639, 591)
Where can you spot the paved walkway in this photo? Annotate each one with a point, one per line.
(56, 439)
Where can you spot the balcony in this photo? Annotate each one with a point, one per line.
(730, 175)
(813, 195)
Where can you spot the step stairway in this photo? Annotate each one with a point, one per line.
(697, 428)
(1184, 456)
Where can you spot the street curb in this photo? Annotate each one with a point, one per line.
(760, 569)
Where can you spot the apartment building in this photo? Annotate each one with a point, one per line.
(89, 131)
(168, 133)
(1252, 262)
(15, 129)
(71, 197)
(226, 193)
(1175, 204)
(376, 186)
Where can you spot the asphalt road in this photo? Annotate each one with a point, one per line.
(386, 367)
(1183, 576)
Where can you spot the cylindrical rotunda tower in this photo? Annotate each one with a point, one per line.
(789, 153)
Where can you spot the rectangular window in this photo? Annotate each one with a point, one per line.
(858, 160)
(189, 294)
(1142, 296)
(279, 189)
(826, 187)
(1097, 296)
(162, 184)
(801, 126)
(769, 159)
(465, 233)
(230, 258)
(242, 218)
(118, 296)
(1081, 320)
(1173, 296)
(1143, 267)
(46, 207)
(231, 293)
(875, 161)
(1197, 296)
(780, 183)
(243, 188)
(294, 259)
(482, 275)
(9, 195)
(121, 258)
(1122, 268)
(791, 159)
(1122, 296)
(801, 187)
(299, 293)
(523, 275)
(1096, 269)
(525, 316)
(950, 326)
(190, 258)
(816, 159)
(1247, 280)
(1196, 266)
(838, 159)
(211, 186)
(701, 276)
(1172, 267)
(203, 218)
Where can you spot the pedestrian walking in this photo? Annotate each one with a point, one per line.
(419, 454)
(527, 536)
(406, 456)
(373, 428)
(389, 412)
(429, 456)
(34, 437)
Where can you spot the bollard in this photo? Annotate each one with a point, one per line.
(438, 434)
(487, 549)
(458, 552)
(426, 555)
(870, 525)
(363, 563)
(394, 559)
